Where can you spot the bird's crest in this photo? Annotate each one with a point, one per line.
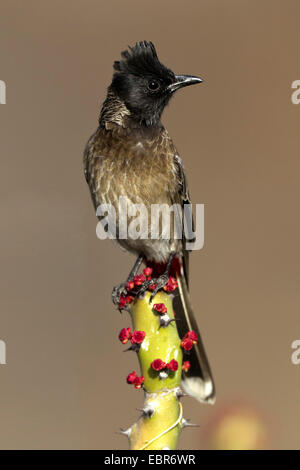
(142, 59)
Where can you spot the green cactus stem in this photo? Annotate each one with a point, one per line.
(161, 421)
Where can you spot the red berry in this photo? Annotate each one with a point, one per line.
(158, 364)
(192, 335)
(148, 272)
(129, 298)
(173, 365)
(160, 308)
(187, 344)
(152, 286)
(125, 335)
(139, 279)
(138, 337)
(138, 381)
(186, 366)
(129, 286)
(171, 285)
(131, 377)
(122, 302)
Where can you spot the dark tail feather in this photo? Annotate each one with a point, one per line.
(198, 381)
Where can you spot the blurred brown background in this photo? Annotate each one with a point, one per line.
(64, 382)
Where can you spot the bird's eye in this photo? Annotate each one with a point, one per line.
(153, 85)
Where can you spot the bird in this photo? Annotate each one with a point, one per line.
(131, 155)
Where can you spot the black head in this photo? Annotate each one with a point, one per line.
(144, 84)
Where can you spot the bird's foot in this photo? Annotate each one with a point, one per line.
(119, 296)
(155, 284)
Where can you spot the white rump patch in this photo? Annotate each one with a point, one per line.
(199, 389)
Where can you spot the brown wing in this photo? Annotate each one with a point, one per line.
(198, 381)
(185, 201)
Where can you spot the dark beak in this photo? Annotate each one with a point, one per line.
(183, 80)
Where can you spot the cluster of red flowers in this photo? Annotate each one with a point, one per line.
(136, 281)
(136, 337)
(134, 379)
(171, 285)
(139, 279)
(189, 340)
(165, 319)
(160, 308)
(159, 365)
(125, 300)
(186, 366)
(148, 272)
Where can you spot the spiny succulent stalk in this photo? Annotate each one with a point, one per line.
(156, 341)
(160, 359)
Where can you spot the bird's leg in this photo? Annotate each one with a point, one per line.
(120, 289)
(160, 281)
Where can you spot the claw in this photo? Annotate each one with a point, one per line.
(145, 286)
(159, 283)
(117, 292)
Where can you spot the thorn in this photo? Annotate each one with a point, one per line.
(180, 393)
(124, 309)
(165, 320)
(148, 411)
(185, 424)
(163, 375)
(125, 432)
(133, 347)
